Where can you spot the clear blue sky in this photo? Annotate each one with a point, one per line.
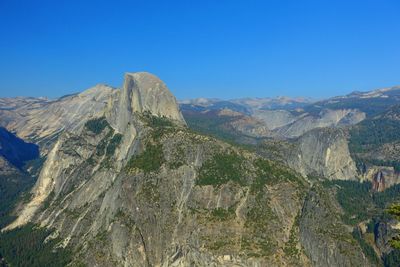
(219, 48)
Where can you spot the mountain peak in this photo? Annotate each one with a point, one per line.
(143, 76)
(143, 91)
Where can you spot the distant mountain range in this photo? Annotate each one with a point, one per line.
(247, 105)
(291, 117)
(386, 96)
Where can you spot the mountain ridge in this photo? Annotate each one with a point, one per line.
(130, 184)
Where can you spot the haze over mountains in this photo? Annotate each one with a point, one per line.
(131, 177)
(288, 118)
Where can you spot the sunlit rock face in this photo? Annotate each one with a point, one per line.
(323, 153)
(143, 92)
(381, 177)
(41, 120)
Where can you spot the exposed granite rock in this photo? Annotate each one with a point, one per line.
(287, 123)
(384, 232)
(113, 206)
(41, 120)
(326, 118)
(246, 125)
(325, 238)
(324, 153)
(381, 177)
(130, 217)
(158, 213)
(143, 92)
(140, 90)
(111, 215)
(274, 119)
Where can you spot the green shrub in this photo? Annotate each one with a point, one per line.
(155, 121)
(392, 259)
(222, 168)
(101, 147)
(149, 160)
(26, 247)
(291, 245)
(212, 125)
(113, 144)
(269, 173)
(359, 202)
(96, 125)
(264, 175)
(160, 125)
(366, 248)
(372, 133)
(221, 214)
(13, 187)
(355, 198)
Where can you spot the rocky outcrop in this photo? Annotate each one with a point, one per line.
(384, 232)
(326, 118)
(244, 125)
(274, 119)
(173, 214)
(375, 144)
(248, 126)
(139, 92)
(41, 121)
(325, 238)
(381, 177)
(143, 92)
(323, 153)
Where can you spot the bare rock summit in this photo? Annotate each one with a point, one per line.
(144, 92)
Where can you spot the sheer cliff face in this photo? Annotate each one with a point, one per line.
(324, 152)
(143, 92)
(324, 237)
(150, 94)
(381, 177)
(41, 120)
